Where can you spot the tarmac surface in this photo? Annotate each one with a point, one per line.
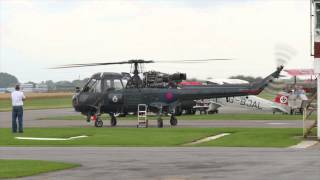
(31, 120)
(174, 163)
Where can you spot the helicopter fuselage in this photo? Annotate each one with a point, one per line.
(106, 93)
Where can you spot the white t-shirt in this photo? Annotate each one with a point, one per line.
(17, 97)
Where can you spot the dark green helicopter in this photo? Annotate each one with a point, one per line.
(114, 93)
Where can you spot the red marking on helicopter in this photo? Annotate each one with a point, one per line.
(252, 92)
(169, 96)
(190, 83)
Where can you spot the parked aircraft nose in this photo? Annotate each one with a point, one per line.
(75, 100)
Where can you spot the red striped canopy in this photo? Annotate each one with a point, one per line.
(300, 72)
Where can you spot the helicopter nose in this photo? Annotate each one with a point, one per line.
(75, 100)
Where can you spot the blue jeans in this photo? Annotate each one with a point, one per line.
(17, 112)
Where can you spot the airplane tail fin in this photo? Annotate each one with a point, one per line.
(281, 98)
(257, 87)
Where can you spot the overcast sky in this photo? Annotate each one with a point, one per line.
(35, 35)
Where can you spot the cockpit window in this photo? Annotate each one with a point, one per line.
(107, 84)
(117, 84)
(89, 86)
(124, 82)
(112, 84)
(92, 83)
(97, 87)
(93, 86)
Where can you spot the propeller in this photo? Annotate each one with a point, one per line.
(283, 55)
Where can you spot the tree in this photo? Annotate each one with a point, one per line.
(33, 83)
(79, 83)
(51, 85)
(64, 86)
(7, 80)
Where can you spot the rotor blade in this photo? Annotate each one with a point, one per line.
(194, 60)
(139, 61)
(94, 64)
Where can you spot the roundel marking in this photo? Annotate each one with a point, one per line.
(283, 99)
(169, 96)
(115, 99)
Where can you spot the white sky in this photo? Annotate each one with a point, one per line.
(35, 35)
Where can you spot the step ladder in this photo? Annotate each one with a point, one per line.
(142, 116)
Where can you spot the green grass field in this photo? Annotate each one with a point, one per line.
(194, 117)
(39, 103)
(22, 168)
(243, 137)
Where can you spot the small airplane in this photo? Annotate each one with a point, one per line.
(250, 102)
(288, 101)
(106, 93)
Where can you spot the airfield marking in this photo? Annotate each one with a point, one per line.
(304, 144)
(50, 139)
(208, 139)
(275, 123)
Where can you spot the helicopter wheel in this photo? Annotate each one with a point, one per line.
(173, 121)
(98, 123)
(113, 121)
(160, 122)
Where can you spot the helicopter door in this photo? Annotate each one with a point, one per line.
(91, 95)
(133, 98)
(113, 89)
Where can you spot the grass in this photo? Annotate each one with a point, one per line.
(39, 103)
(31, 95)
(154, 137)
(195, 117)
(259, 138)
(22, 168)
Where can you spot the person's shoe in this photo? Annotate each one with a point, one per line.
(14, 131)
(20, 131)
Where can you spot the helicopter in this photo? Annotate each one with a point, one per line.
(113, 93)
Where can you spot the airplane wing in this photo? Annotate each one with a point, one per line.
(214, 106)
(277, 108)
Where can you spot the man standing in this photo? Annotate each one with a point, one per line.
(17, 109)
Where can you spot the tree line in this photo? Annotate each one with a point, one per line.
(7, 80)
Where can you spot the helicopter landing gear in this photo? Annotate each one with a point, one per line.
(88, 118)
(160, 122)
(98, 122)
(113, 121)
(173, 121)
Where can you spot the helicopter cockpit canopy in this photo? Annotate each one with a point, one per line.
(104, 82)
